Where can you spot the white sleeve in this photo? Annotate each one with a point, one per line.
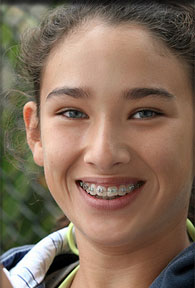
(31, 270)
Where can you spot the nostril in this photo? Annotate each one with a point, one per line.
(107, 160)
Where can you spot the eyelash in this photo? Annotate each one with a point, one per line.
(157, 114)
(62, 113)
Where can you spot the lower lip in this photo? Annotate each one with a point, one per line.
(114, 204)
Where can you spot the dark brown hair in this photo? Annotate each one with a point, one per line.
(172, 22)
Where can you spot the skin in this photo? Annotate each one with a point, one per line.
(113, 141)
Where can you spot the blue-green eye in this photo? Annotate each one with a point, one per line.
(145, 114)
(73, 113)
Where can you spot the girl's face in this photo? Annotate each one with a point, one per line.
(116, 110)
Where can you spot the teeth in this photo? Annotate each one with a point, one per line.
(85, 186)
(91, 190)
(122, 190)
(131, 187)
(109, 192)
(101, 191)
(112, 191)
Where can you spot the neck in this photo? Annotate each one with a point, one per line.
(126, 267)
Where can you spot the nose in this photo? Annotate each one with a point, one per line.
(106, 147)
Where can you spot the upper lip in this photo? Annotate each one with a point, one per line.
(111, 180)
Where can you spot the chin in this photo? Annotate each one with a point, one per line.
(110, 234)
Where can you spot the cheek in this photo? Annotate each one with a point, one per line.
(170, 147)
(170, 158)
(167, 154)
(60, 152)
(59, 145)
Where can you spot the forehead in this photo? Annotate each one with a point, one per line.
(98, 35)
(120, 52)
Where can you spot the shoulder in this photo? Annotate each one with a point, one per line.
(179, 273)
(10, 258)
(61, 266)
(45, 264)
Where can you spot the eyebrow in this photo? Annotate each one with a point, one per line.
(139, 93)
(129, 94)
(72, 92)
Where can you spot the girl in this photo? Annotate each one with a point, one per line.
(112, 124)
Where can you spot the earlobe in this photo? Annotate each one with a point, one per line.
(33, 131)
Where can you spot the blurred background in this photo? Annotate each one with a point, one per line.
(27, 211)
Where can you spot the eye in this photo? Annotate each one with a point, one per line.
(73, 113)
(146, 114)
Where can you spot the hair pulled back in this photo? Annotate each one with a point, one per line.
(170, 21)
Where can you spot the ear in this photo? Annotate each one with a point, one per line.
(33, 131)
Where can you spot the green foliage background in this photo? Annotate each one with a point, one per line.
(27, 210)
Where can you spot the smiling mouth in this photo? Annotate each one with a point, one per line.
(109, 192)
